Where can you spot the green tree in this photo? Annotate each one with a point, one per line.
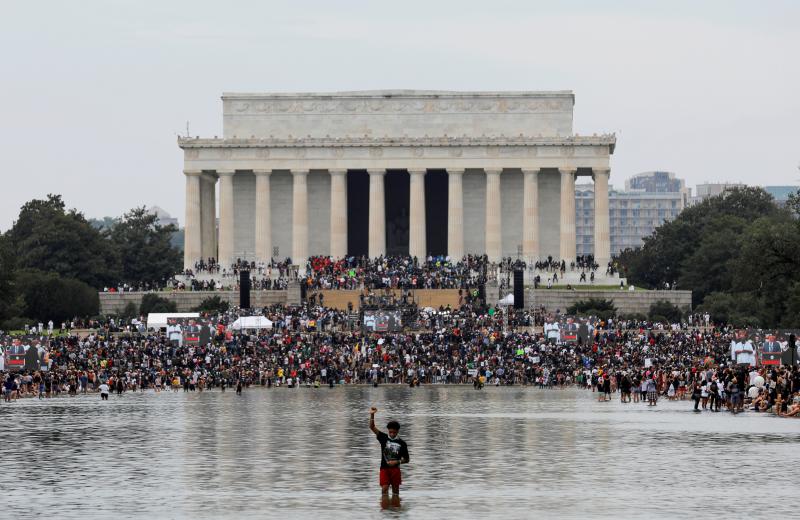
(737, 252)
(48, 296)
(152, 302)
(670, 254)
(791, 318)
(48, 238)
(767, 265)
(129, 311)
(10, 302)
(213, 304)
(708, 267)
(793, 204)
(146, 254)
(740, 310)
(603, 309)
(666, 311)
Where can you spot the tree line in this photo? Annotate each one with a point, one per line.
(738, 252)
(53, 261)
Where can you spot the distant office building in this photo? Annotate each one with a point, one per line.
(712, 189)
(781, 193)
(655, 182)
(649, 200)
(659, 182)
(163, 218)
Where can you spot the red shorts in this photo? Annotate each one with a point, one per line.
(391, 477)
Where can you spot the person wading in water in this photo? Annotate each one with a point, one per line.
(394, 452)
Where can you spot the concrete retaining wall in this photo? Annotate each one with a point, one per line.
(114, 303)
(627, 302)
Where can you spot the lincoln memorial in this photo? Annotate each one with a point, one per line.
(393, 172)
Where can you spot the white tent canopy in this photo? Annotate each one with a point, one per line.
(158, 320)
(508, 300)
(252, 322)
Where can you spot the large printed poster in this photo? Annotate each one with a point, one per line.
(191, 331)
(24, 353)
(765, 347)
(383, 321)
(569, 330)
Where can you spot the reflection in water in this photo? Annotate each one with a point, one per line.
(391, 502)
(502, 452)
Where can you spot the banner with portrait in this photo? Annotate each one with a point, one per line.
(27, 353)
(772, 346)
(570, 330)
(383, 321)
(191, 331)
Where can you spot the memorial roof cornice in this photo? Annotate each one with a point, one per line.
(366, 141)
(400, 93)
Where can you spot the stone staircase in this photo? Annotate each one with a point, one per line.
(338, 299)
(571, 277)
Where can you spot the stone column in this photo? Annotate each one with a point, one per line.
(416, 215)
(455, 214)
(263, 216)
(567, 234)
(377, 214)
(338, 213)
(193, 239)
(602, 229)
(530, 215)
(494, 238)
(208, 214)
(226, 224)
(300, 218)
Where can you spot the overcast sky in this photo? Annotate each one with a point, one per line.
(93, 92)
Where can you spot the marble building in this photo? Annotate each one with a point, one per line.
(393, 172)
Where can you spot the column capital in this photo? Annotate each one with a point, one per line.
(337, 171)
(493, 171)
(262, 172)
(299, 173)
(193, 173)
(526, 171)
(569, 170)
(601, 171)
(417, 171)
(376, 172)
(455, 171)
(226, 173)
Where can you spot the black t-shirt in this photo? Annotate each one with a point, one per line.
(391, 449)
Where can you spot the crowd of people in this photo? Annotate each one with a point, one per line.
(361, 272)
(314, 345)
(396, 272)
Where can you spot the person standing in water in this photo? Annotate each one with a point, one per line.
(104, 392)
(394, 451)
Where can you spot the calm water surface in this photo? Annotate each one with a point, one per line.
(302, 453)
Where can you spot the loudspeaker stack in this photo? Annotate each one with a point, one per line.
(519, 290)
(244, 289)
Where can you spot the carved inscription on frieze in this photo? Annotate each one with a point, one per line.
(400, 106)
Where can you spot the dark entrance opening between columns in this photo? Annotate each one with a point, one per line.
(436, 200)
(397, 191)
(357, 212)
